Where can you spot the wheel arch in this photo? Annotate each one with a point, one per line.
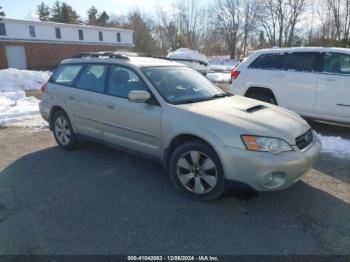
(180, 139)
(253, 89)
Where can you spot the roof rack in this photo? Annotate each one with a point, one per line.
(110, 54)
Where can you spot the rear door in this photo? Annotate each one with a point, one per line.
(85, 100)
(132, 125)
(297, 80)
(333, 93)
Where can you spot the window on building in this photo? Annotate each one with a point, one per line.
(2, 29)
(58, 32)
(100, 36)
(66, 74)
(93, 78)
(31, 31)
(119, 37)
(81, 34)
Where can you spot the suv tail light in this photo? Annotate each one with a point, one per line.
(43, 87)
(234, 75)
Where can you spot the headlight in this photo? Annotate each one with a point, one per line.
(266, 144)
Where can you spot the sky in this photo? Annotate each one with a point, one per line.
(26, 8)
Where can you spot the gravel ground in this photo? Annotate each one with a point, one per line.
(98, 200)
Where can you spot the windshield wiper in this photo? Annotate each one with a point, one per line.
(189, 101)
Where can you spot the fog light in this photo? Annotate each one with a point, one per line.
(274, 180)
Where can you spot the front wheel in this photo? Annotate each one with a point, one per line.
(63, 131)
(196, 171)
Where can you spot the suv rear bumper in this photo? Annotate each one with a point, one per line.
(44, 109)
(267, 172)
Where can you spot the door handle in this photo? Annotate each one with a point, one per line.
(110, 107)
(71, 97)
(330, 79)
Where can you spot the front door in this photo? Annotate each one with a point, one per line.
(298, 80)
(333, 92)
(135, 126)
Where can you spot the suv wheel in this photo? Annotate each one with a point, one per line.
(263, 96)
(63, 131)
(196, 171)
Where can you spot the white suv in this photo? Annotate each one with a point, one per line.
(313, 82)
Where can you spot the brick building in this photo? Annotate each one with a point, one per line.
(42, 45)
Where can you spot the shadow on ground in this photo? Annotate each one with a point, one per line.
(97, 200)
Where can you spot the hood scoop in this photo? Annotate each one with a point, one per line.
(256, 108)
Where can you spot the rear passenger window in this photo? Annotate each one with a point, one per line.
(301, 62)
(122, 80)
(268, 61)
(93, 78)
(336, 63)
(66, 74)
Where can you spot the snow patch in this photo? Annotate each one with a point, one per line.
(336, 146)
(14, 79)
(219, 77)
(222, 63)
(186, 53)
(15, 107)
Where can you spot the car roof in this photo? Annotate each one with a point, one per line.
(138, 61)
(303, 49)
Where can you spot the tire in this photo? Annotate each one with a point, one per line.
(63, 131)
(263, 96)
(201, 180)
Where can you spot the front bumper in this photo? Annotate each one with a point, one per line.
(264, 171)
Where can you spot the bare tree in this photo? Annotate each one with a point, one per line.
(279, 19)
(249, 22)
(229, 21)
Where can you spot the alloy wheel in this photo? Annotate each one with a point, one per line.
(197, 172)
(62, 130)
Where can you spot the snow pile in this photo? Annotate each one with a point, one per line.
(14, 105)
(222, 63)
(186, 53)
(14, 79)
(219, 77)
(337, 146)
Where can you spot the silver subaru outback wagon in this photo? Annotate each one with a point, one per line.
(204, 136)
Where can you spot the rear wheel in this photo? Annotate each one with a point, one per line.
(63, 131)
(196, 171)
(263, 96)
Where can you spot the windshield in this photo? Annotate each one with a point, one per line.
(182, 85)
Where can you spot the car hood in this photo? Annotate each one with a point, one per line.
(253, 117)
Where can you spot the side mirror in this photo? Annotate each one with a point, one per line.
(139, 96)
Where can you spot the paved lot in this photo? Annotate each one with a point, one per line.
(97, 200)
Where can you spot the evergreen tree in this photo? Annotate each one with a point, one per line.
(2, 13)
(43, 11)
(68, 14)
(92, 16)
(102, 19)
(64, 13)
(143, 39)
(56, 12)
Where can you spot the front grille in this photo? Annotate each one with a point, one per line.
(304, 140)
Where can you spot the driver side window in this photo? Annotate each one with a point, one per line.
(122, 80)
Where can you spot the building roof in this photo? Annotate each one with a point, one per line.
(82, 26)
